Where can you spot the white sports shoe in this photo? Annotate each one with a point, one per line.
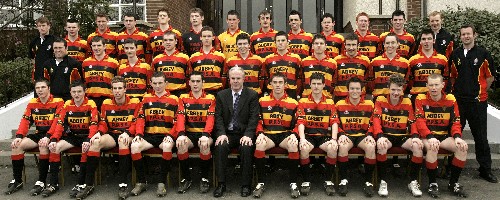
(382, 190)
(414, 188)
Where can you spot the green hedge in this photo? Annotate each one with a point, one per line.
(15, 80)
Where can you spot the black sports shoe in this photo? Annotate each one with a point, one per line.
(343, 187)
(204, 185)
(368, 188)
(184, 186)
(123, 193)
(14, 186)
(85, 192)
(75, 190)
(433, 190)
(37, 189)
(458, 190)
(49, 190)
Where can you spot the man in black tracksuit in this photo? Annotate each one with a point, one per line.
(472, 73)
(40, 49)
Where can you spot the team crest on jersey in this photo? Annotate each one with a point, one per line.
(269, 108)
(155, 37)
(444, 108)
(203, 106)
(419, 65)
(401, 112)
(311, 66)
(324, 111)
(66, 70)
(159, 63)
(289, 63)
(199, 61)
(124, 73)
(274, 63)
(175, 62)
(444, 43)
(235, 65)
(302, 40)
(427, 107)
(284, 109)
(458, 61)
(346, 112)
(308, 110)
(386, 110)
(436, 65)
(382, 66)
(397, 68)
(258, 39)
(187, 105)
(112, 111)
(48, 48)
(150, 103)
(362, 112)
(36, 110)
(343, 64)
(70, 113)
(475, 61)
(123, 40)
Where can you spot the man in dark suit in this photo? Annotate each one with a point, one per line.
(236, 116)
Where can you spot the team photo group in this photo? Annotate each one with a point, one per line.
(249, 93)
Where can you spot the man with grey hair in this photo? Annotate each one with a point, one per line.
(236, 116)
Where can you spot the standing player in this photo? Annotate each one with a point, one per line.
(98, 71)
(319, 62)
(334, 41)
(209, 61)
(155, 40)
(103, 31)
(262, 41)
(390, 62)
(406, 40)
(40, 49)
(438, 122)
(40, 111)
(316, 115)
(350, 64)
(195, 129)
(368, 42)
(443, 39)
(276, 127)
(155, 127)
(252, 64)
(394, 126)
(192, 41)
(354, 115)
(136, 72)
(132, 32)
(77, 47)
(173, 64)
(75, 126)
(228, 38)
(285, 62)
(299, 40)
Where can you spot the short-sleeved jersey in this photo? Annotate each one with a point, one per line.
(174, 67)
(300, 43)
(277, 116)
(421, 67)
(196, 115)
(155, 41)
(383, 67)
(406, 43)
(109, 40)
(117, 119)
(76, 120)
(253, 70)
(157, 115)
(212, 65)
(137, 77)
(317, 118)
(347, 67)
(78, 49)
(288, 64)
(326, 66)
(191, 42)
(368, 44)
(437, 117)
(228, 43)
(262, 44)
(393, 120)
(40, 114)
(141, 39)
(354, 120)
(334, 44)
(98, 74)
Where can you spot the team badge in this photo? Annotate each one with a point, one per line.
(302, 40)
(175, 62)
(343, 64)
(190, 38)
(311, 66)
(419, 65)
(436, 65)
(382, 66)
(258, 39)
(112, 111)
(444, 43)
(324, 111)
(203, 106)
(274, 62)
(458, 62)
(427, 107)
(308, 110)
(123, 40)
(150, 103)
(269, 108)
(159, 63)
(362, 112)
(475, 61)
(397, 68)
(48, 48)
(36, 110)
(444, 108)
(284, 109)
(401, 112)
(346, 112)
(289, 63)
(124, 73)
(187, 105)
(386, 110)
(199, 61)
(65, 70)
(90, 66)
(51, 70)
(70, 113)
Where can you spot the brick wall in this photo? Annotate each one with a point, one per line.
(414, 9)
(379, 25)
(177, 11)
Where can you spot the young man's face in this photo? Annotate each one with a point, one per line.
(281, 43)
(391, 44)
(77, 93)
(102, 23)
(435, 86)
(42, 89)
(278, 84)
(163, 18)
(319, 45)
(294, 21)
(435, 22)
(351, 47)
(72, 29)
(317, 86)
(467, 36)
(243, 46)
(59, 50)
(129, 22)
(327, 24)
(159, 84)
(354, 90)
(196, 19)
(232, 22)
(43, 28)
(236, 79)
(265, 21)
(98, 48)
(196, 83)
(119, 89)
(363, 23)
(395, 91)
(207, 37)
(169, 42)
(130, 49)
(427, 42)
(398, 22)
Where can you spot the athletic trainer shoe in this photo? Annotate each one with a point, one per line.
(414, 188)
(204, 185)
(123, 192)
(433, 190)
(305, 188)
(37, 189)
(343, 187)
(294, 190)
(75, 190)
(85, 192)
(458, 190)
(139, 188)
(184, 186)
(161, 191)
(368, 188)
(329, 188)
(14, 186)
(382, 190)
(49, 190)
(259, 189)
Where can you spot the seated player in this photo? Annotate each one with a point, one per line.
(195, 128)
(276, 127)
(40, 111)
(155, 128)
(354, 115)
(75, 126)
(315, 118)
(394, 126)
(438, 123)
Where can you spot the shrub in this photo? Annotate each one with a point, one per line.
(15, 78)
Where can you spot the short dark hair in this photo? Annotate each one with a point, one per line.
(468, 26)
(317, 76)
(281, 33)
(119, 79)
(60, 40)
(277, 75)
(197, 10)
(295, 12)
(319, 36)
(197, 73)
(129, 14)
(234, 12)
(101, 14)
(159, 75)
(354, 79)
(163, 9)
(427, 31)
(130, 40)
(170, 32)
(208, 28)
(73, 20)
(98, 39)
(396, 79)
(398, 13)
(327, 15)
(43, 80)
(77, 83)
(265, 12)
(243, 36)
(351, 36)
(43, 20)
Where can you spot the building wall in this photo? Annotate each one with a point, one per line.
(489, 5)
(178, 12)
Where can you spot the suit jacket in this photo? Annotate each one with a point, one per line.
(248, 111)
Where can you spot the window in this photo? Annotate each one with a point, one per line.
(12, 12)
(120, 7)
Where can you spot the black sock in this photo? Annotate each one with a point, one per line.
(414, 170)
(92, 163)
(294, 170)
(43, 167)
(382, 169)
(139, 169)
(306, 172)
(369, 172)
(204, 168)
(343, 167)
(54, 173)
(83, 172)
(164, 170)
(260, 164)
(184, 168)
(431, 173)
(330, 170)
(124, 165)
(17, 170)
(455, 174)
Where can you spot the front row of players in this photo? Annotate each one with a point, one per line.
(166, 121)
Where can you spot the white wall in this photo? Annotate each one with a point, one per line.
(371, 7)
(10, 116)
(489, 5)
(493, 125)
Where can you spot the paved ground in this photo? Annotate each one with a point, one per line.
(277, 188)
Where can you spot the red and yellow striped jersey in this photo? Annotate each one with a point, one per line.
(116, 119)
(253, 70)
(317, 118)
(78, 49)
(158, 115)
(40, 114)
(288, 64)
(141, 39)
(196, 115)
(327, 66)
(212, 65)
(354, 120)
(137, 77)
(383, 67)
(155, 41)
(80, 120)
(334, 44)
(109, 40)
(98, 74)
(437, 117)
(228, 43)
(395, 120)
(368, 44)
(421, 67)
(347, 67)
(406, 43)
(262, 43)
(300, 43)
(277, 116)
(174, 67)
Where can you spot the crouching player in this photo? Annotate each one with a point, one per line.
(40, 111)
(438, 123)
(315, 119)
(197, 112)
(155, 128)
(394, 126)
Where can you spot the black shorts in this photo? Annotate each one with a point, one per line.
(317, 141)
(356, 139)
(75, 140)
(277, 138)
(441, 137)
(36, 137)
(397, 141)
(194, 137)
(154, 139)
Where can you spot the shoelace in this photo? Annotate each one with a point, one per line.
(368, 184)
(260, 185)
